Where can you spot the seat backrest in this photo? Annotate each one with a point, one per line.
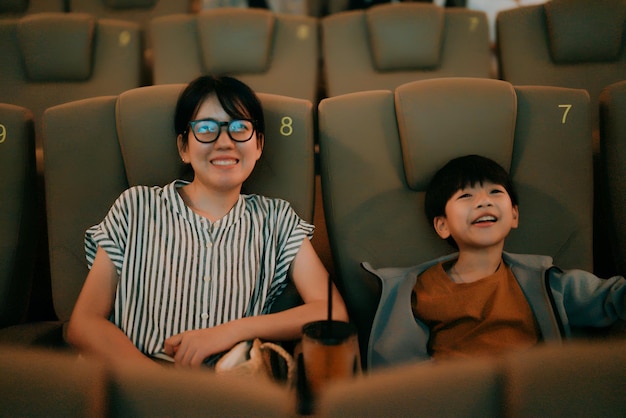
(49, 383)
(138, 11)
(577, 379)
(566, 43)
(392, 44)
(492, 8)
(141, 392)
(451, 389)
(273, 53)
(18, 226)
(126, 140)
(379, 149)
(16, 8)
(613, 155)
(53, 58)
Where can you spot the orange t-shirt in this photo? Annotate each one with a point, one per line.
(486, 317)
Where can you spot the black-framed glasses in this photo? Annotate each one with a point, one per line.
(209, 130)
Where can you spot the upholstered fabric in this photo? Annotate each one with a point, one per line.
(48, 383)
(580, 31)
(138, 11)
(130, 4)
(392, 30)
(571, 380)
(235, 44)
(484, 112)
(544, 45)
(453, 389)
(13, 6)
(272, 53)
(136, 145)
(613, 157)
(18, 221)
(391, 44)
(196, 393)
(16, 8)
(107, 61)
(374, 173)
(57, 47)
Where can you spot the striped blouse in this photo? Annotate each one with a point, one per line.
(178, 271)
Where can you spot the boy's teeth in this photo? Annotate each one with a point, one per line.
(486, 219)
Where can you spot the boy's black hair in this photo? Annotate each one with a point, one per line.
(237, 98)
(459, 173)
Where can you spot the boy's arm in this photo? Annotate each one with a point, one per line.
(590, 301)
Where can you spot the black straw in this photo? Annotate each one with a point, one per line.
(330, 299)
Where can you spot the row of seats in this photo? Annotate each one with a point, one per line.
(378, 150)
(140, 10)
(52, 58)
(573, 380)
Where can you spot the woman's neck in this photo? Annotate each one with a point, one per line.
(210, 204)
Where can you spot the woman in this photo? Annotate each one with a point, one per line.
(188, 270)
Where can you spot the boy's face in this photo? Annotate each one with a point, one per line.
(478, 217)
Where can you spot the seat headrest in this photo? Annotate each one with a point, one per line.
(130, 4)
(57, 46)
(235, 40)
(405, 36)
(145, 129)
(13, 6)
(468, 115)
(585, 30)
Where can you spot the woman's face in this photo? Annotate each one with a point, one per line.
(222, 165)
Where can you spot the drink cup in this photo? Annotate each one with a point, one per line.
(330, 352)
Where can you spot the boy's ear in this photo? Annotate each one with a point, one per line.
(515, 216)
(441, 227)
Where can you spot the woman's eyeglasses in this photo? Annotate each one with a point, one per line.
(209, 130)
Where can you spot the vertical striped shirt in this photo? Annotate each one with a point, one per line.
(178, 271)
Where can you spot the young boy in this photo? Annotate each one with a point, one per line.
(482, 300)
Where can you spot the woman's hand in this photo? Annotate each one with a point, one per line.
(191, 348)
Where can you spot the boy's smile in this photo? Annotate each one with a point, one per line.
(478, 216)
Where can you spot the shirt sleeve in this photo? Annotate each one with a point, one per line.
(291, 232)
(110, 234)
(591, 301)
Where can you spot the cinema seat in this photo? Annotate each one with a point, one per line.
(453, 389)
(127, 140)
(566, 43)
(170, 392)
(138, 11)
(38, 383)
(273, 53)
(577, 379)
(392, 44)
(613, 156)
(53, 58)
(18, 226)
(379, 149)
(18, 8)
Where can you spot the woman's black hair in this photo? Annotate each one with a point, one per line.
(238, 100)
(459, 173)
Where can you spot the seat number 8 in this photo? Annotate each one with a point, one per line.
(286, 126)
